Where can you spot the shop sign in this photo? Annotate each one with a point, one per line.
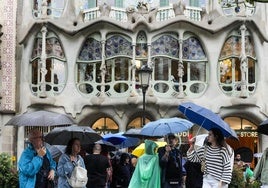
(252, 134)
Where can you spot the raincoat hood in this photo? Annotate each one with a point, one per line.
(150, 147)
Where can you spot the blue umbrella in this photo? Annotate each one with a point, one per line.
(206, 118)
(115, 139)
(129, 142)
(166, 126)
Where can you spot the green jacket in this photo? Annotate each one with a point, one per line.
(261, 170)
(147, 171)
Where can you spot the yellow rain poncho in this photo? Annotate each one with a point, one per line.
(147, 171)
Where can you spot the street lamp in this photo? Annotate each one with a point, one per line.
(144, 75)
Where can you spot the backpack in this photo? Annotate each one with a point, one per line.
(78, 177)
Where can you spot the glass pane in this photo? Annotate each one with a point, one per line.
(119, 3)
(185, 70)
(237, 70)
(174, 71)
(35, 72)
(98, 72)
(137, 123)
(251, 71)
(164, 3)
(226, 71)
(121, 69)
(198, 71)
(197, 88)
(161, 69)
(92, 3)
(105, 125)
(59, 70)
(48, 67)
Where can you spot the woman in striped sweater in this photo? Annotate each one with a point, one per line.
(217, 173)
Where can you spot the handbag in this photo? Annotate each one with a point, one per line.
(203, 161)
(78, 177)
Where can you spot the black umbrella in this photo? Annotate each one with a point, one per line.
(40, 118)
(61, 135)
(263, 127)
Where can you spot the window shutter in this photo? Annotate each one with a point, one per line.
(92, 3)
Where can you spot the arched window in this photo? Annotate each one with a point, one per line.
(137, 123)
(165, 54)
(53, 66)
(118, 50)
(172, 72)
(194, 65)
(88, 65)
(236, 74)
(105, 125)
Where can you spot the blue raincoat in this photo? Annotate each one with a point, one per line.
(29, 165)
(147, 171)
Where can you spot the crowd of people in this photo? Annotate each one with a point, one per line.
(163, 167)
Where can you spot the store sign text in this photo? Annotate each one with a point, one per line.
(248, 134)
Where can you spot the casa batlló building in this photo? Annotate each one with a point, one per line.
(81, 58)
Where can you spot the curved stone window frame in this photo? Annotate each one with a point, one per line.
(88, 66)
(237, 8)
(195, 84)
(119, 52)
(53, 8)
(55, 65)
(230, 66)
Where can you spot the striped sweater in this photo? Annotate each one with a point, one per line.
(217, 162)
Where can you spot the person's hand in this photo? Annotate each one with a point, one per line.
(72, 158)
(168, 148)
(41, 152)
(192, 141)
(51, 175)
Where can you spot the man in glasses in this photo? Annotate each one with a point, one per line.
(36, 166)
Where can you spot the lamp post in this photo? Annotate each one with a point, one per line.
(144, 75)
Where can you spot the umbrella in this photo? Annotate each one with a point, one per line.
(199, 139)
(166, 126)
(55, 150)
(40, 118)
(129, 142)
(136, 133)
(206, 118)
(105, 146)
(133, 133)
(263, 127)
(139, 150)
(61, 135)
(257, 155)
(115, 139)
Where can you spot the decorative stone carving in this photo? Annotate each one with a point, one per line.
(105, 9)
(179, 8)
(143, 13)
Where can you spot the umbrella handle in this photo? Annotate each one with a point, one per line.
(200, 127)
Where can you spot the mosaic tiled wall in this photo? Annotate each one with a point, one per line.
(8, 46)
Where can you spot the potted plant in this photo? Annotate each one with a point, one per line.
(8, 173)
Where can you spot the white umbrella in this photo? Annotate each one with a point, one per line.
(199, 139)
(257, 155)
